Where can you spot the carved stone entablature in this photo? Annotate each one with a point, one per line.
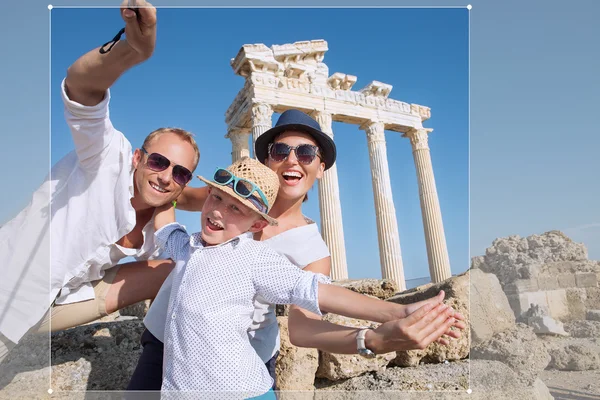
(418, 138)
(422, 111)
(257, 53)
(378, 89)
(307, 52)
(295, 70)
(294, 76)
(375, 131)
(263, 64)
(339, 81)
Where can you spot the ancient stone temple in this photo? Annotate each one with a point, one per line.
(294, 76)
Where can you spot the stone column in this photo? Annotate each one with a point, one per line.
(437, 252)
(332, 228)
(239, 143)
(261, 121)
(385, 212)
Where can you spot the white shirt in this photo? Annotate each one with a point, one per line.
(211, 306)
(64, 237)
(302, 246)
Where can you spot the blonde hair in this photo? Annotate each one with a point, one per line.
(183, 134)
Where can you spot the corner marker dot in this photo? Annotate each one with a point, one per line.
(469, 391)
(469, 7)
(50, 391)
(49, 6)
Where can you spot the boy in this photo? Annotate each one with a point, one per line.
(218, 273)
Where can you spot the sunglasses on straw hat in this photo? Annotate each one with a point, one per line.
(242, 187)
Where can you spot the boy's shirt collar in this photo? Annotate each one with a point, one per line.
(197, 242)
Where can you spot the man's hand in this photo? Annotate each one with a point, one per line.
(93, 73)
(417, 331)
(140, 31)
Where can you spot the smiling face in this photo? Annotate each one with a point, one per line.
(295, 178)
(224, 217)
(152, 188)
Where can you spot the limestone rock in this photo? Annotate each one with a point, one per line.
(138, 310)
(513, 257)
(296, 366)
(538, 318)
(574, 355)
(593, 315)
(490, 310)
(583, 329)
(342, 366)
(453, 376)
(96, 356)
(457, 297)
(519, 348)
(576, 299)
(477, 262)
(380, 288)
(489, 380)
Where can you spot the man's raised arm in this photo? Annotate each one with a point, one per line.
(93, 73)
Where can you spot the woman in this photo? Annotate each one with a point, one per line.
(299, 152)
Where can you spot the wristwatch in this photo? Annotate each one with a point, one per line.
(360, 344)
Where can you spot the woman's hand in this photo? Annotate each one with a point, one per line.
(417, 331)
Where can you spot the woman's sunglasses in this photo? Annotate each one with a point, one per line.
(242, 187)
(158, 162)
(305, 153)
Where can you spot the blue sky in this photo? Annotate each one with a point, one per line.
(534, 92)
(189, 83)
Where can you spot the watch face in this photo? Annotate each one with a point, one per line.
(366, 353)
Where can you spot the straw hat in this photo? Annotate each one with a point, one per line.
(257, 173)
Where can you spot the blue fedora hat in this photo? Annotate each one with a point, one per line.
(296, 120)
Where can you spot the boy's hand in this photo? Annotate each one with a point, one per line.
(140, 31)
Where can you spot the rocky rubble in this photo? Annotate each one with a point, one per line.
(552, 288)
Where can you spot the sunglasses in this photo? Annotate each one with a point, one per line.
(305, 153)
(242, 187)
(158, 162)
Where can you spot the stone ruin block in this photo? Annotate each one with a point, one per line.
(586, 279)
(557, 303)
(522, 286)
(554, 300)
(566, 280)
(547, 282)
(520, 302)
(576, 299)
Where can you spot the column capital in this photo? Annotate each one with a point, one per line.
(325, 121)
(261, 114)
(418, 137)
(375, 131)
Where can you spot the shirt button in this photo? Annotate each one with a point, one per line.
(173, 316)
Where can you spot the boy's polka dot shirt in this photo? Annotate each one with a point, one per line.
(207, 348)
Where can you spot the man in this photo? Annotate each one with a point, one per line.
(102, 201)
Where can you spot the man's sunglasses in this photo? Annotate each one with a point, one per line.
(158, 162)
(305, 153)
(242, 187)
